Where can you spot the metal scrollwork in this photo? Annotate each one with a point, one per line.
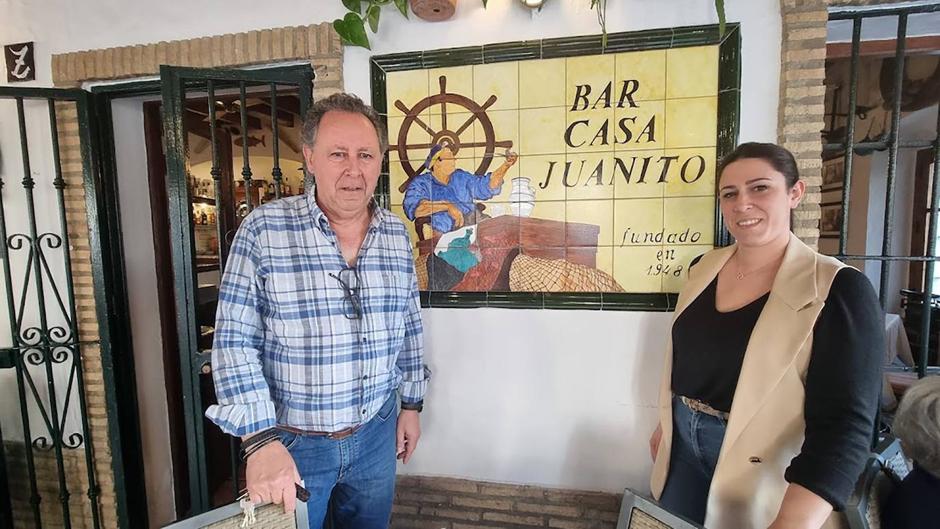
(31, 336)
(60, 355)
(73, 441)
(42, 443)
(59, 335)
(17, 240)
(35, 357)
(53, 241)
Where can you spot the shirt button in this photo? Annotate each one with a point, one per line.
(365, 339)
(364, 377)
(363, 411)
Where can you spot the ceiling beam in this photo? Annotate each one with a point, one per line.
(883, 48)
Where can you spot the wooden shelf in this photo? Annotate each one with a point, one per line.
(203, 200)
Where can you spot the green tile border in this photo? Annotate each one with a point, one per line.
(729, 109)
(729, 101)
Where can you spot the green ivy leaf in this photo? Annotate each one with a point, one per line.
(352, 30)
(484, 4)
(720, 8)
(353, 5)
(402, 6)
(373, 16)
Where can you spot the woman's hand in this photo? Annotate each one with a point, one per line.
(655, 440)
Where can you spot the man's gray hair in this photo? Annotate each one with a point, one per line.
(917, 424)
(343, 103)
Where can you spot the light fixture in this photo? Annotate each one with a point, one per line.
(532, 4)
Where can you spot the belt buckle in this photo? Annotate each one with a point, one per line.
(342, 434)
(701, 407)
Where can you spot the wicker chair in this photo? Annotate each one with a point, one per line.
(269, 516)
(885, 468)
(637, 512)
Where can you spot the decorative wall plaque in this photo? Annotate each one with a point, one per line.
(555, 168)
(20, 62)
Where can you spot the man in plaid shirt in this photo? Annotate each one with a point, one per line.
(318, 337)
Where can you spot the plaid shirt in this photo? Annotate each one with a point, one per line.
(285, 352)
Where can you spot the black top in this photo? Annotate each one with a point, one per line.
(913, 504)
(707, 361)
(843, 379)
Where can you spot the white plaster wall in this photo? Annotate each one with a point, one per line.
(558, 398)
(137, 231)
(918, 125)
(858, 210)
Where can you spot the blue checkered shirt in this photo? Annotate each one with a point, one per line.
(285, 352)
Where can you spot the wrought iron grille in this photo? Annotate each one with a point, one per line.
(892, 144)
(180, 85)
(46, 349)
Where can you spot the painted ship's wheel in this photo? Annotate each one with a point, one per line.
(447, 135)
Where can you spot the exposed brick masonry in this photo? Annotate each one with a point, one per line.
(446, 503)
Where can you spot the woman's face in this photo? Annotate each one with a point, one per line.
(755, 201)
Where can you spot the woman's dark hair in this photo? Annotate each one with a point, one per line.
(779, 158)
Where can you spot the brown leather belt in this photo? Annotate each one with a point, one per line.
(699, 406)
(337, 435)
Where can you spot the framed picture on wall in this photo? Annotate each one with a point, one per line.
(833, 173)
(830, 219)
(559, 173)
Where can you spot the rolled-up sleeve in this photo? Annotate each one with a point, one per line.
(843, 382)
(480, 186)
(415, 374)
(244, 399)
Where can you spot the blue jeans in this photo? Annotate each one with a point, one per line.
(696, 443)
(353, 478)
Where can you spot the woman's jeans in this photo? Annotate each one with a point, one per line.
(696, 443)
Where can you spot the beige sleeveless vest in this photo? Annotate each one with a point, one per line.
(766, 427)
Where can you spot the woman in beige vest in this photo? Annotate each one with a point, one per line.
(771, 382)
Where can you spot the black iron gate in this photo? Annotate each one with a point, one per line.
(849, 147)
(51, 467)
(230, 197)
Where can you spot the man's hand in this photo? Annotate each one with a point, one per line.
(271, 476)
(654, 441)
(409, 430)
(455, 214)
(496, 179)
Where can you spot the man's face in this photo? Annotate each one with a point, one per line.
(444, 165)
(345, 161)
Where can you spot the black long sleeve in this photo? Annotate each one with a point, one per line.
(843, 384)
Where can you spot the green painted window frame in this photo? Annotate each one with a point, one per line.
(729, 100)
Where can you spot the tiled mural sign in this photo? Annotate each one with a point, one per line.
(591, 173)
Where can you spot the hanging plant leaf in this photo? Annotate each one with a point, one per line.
(484, 4)
(353, 5)
(352, 30)
(720, 8)
(373, 16)
(402, 6)
(601, 7)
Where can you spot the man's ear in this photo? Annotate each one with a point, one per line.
(308, 158)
